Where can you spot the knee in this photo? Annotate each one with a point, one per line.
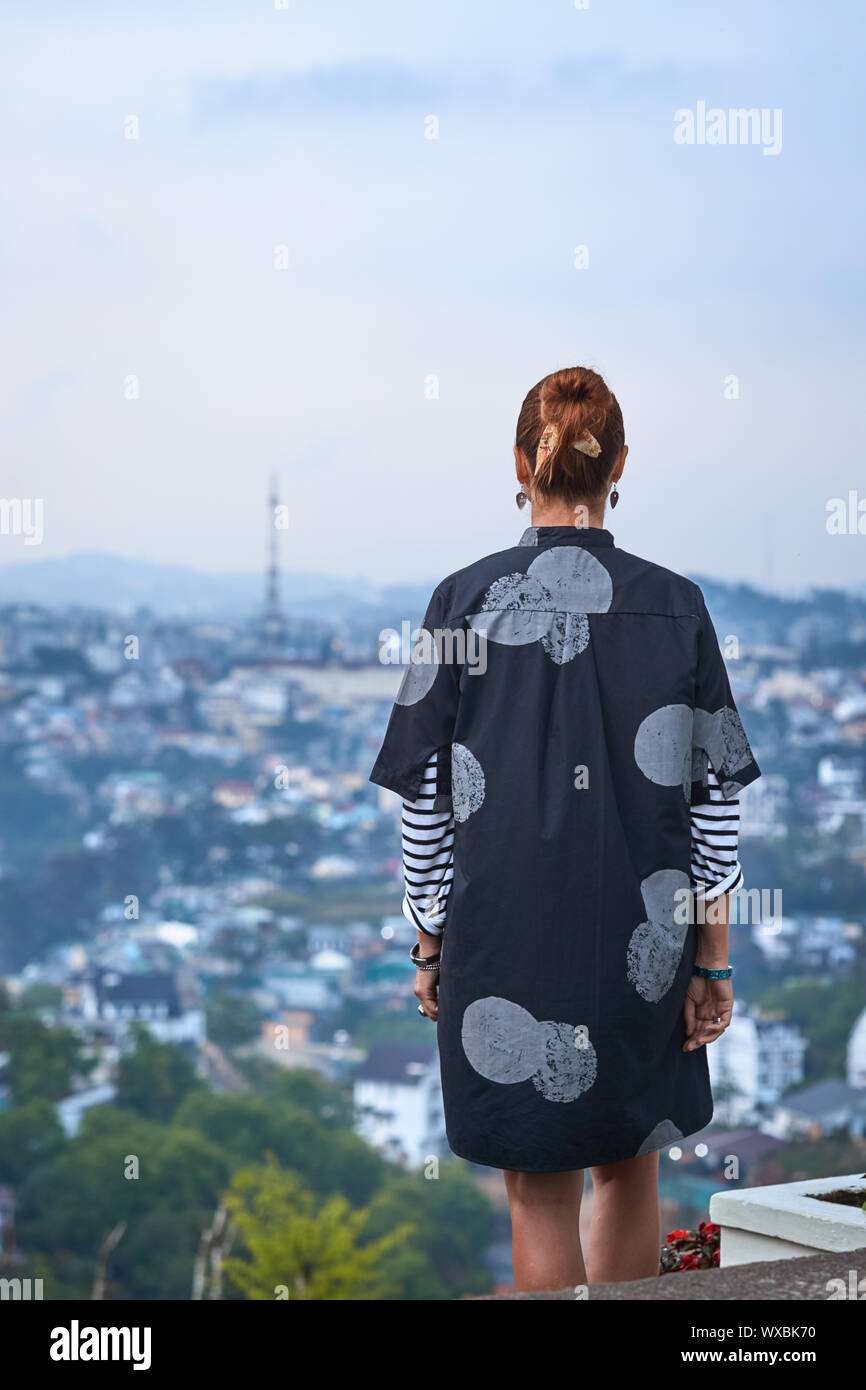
(536, 1190)
(627, 1172)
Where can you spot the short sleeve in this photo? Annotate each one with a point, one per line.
(424, 713)
(718, 737)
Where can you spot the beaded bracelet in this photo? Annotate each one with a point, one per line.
(705, 974)
(423, 962)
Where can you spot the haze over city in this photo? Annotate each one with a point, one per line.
(249, 222)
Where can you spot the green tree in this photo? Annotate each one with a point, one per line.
(313, 1251)
(247, 1127)
(43, 1062)
(232, 1019)
(825, 1012)
(444, 1258)
(163, 1181)
(29, 1134)
(331, 1104)
(38, 997)
(154, 1078)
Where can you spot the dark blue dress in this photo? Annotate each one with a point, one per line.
(578, 743)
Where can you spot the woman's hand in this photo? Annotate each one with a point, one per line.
(707, 1011)
(427, 981)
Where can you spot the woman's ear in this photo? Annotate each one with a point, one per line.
(620, 464)
(521, 465)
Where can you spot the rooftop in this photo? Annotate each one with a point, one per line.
(401, 1064)
(824, 1098)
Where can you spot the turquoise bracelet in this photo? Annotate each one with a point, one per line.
(705, 974)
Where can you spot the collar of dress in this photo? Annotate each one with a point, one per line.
(566, 535)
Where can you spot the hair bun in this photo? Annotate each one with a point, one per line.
(564, 389)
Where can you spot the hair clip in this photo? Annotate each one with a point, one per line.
(546, 445)
(588, 445)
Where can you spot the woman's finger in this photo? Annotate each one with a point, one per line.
(427, 993)
(689, 1015)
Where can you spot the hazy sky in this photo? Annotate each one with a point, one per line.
(408, 257)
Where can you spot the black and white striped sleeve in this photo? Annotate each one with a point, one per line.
(428, 853)
(715, 834)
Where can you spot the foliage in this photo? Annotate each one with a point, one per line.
(247, 1126)
(825, 1012)
(810, 1158)
(331, 1104)
(29, 1134)
(313, 1251)
(122, 1167)
(154, 1078)
(164, 1177)
(691, 1249)
(43, 1062)
(456, 1222)
(232, 1019)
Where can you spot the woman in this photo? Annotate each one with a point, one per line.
(570, 835)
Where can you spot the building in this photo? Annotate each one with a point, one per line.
(830, 1107)
(290, 1032)
(856, 1068)
(754, 1061)
(113, 1002)
(398, 1102)
(764, 807)
(297, 986)
(732, 1154)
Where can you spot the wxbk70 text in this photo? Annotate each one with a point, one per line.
(723, 1333)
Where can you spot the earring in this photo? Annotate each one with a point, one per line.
(614, 496)
(521, 499)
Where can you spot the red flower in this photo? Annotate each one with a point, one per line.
(716, 1254)
(678, 1235)
(709, 1228)
(689, 1261)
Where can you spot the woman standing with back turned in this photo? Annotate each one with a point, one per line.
(570, 835)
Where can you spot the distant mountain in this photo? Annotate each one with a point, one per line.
(121, 584)
(117, 582)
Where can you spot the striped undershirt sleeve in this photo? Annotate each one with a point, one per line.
(715, 834)
(428, 854)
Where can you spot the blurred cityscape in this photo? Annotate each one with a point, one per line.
(203, 957)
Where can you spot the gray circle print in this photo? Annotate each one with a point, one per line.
(655, 948)
(663, 747)
(547, 604)
(468, 785)
(421, 671)
(503, 1042)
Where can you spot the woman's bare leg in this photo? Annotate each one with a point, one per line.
(545, 1241)
(624, 1233)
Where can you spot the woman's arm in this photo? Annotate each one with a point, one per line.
(709, 1004)
(716, 872)
(428, 871)
(715, 834)
(428, 854)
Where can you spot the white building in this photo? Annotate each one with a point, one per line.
(754, 1061)
(398, 1102)
(114, 1001)
(764, 807)
(857, 1053)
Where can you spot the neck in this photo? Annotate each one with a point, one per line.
(561, 514)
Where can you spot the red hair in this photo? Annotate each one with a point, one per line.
(577, 402)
